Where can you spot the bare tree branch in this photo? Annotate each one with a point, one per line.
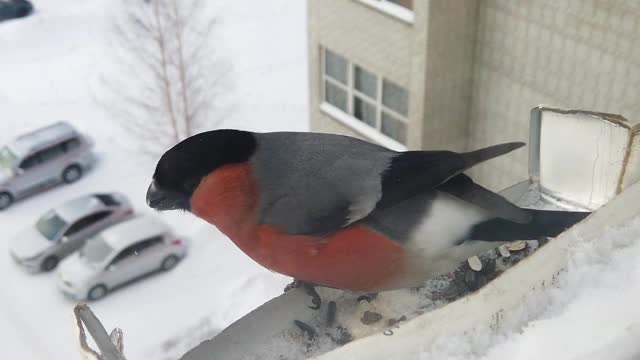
(182, 70)
(161, 41)
(170, 83)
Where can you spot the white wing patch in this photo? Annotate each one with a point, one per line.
(448, 221)
(433, 247)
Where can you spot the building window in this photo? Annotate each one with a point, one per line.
(336, 69)
(395, 97)
(366, 97)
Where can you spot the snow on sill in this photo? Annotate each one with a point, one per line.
(361, 128)
(394, 10)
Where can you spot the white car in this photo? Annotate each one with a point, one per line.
(119, 255)
(65, 228)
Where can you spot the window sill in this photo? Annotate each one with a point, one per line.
(393, 10)
(361, 128)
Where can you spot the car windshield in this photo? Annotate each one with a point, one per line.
(50, 225)
(96, 250)
(7, 158)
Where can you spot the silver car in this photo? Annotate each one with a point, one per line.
(40, 159)
(118, 255)
(66, 228)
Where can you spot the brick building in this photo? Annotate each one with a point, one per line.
(462, 74)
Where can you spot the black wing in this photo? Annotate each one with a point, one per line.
(414, 172)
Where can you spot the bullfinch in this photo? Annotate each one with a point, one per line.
(340, 212)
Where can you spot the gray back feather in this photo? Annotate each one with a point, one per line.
(317, 183)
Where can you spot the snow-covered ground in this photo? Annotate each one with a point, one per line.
(49, 69)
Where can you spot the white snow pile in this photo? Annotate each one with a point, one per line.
(593, 314)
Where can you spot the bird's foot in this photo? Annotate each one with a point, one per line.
(309, 288)
(293, 285)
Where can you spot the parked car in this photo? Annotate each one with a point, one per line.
(65, 229)
(40, 159)
(119, 255)
(13, 9)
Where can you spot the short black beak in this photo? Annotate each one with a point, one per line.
(160, 199)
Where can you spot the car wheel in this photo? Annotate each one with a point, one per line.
(169, 262)
(49, 263)
(97, 292)
(72, 174)
(5, 200)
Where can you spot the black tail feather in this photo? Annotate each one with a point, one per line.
(478, 156)
(544, 223)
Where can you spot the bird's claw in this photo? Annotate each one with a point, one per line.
(310, 289)
(293, 285)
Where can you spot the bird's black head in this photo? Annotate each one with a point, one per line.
(182, 167)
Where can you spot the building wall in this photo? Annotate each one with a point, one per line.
(447, 96)
(389, 47)
(573, 54)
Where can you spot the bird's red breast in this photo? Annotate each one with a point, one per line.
(355, 258)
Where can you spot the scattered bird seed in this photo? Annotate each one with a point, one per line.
(393, 322)
(370, 317)
(308, 330)
(474, 280)
(343, 336)
(516, 245)
(331, 313)
(367, 297)
(475, 263)
(504, 251)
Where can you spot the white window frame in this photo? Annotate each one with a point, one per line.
(395, 10)
(350, 120)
